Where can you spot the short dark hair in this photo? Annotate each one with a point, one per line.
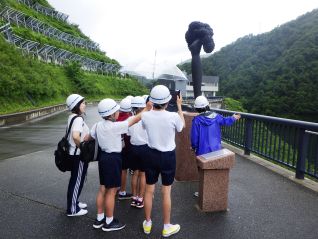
(202, 110)
(160, 106)
(76, 109)
(136, 109)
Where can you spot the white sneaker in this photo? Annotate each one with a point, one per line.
(82, 205)
(173, 229)
(79, 213)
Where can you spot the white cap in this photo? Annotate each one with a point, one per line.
(125, 105)
(138, 102)
(72, 100)
(107, 107)
(129, 97)
(201, 102)
(145, 97)
(160, 94)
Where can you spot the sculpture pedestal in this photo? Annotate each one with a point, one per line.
(186, 167)
(214, 171)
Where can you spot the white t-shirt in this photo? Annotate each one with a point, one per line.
(109, 135)
(138, 135)
(78, 126)
(161, 127)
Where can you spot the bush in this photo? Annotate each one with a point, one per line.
(233, 105)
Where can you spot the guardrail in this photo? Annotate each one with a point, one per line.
(214, 99)
(291, 143)
(18, 118)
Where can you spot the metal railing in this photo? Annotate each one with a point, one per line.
(213, 99)
(291, 143)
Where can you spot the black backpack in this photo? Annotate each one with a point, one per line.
(62, 160)
(89, 150)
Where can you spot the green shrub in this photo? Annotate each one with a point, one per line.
(233, 105)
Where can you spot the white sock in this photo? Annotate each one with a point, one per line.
(148, 223)
(122, 193)
(100, 216)
(140, 199)
(109, 220)
(166, 226)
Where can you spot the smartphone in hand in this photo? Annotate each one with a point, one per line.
(174, 95)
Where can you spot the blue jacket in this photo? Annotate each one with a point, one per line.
(206, 132)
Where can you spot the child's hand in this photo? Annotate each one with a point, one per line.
(237, 116)
(149, 105)
(87, 137)
(179, 99)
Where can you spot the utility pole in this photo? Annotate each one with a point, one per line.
(154, 66)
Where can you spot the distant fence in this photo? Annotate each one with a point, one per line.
(45, 10)
(291, 143)
(56, 55)
(20, 19)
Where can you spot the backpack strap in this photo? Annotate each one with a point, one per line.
(96, 143)
(69, 129)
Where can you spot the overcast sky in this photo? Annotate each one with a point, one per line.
(131, 31)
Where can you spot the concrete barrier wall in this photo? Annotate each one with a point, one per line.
(18, 118)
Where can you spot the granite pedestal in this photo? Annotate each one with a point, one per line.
(214, 171)
(186, 167)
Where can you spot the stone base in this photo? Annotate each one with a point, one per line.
(186, 166)
(214, 170)
(213, 190)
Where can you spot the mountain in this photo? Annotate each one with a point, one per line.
(274, 73)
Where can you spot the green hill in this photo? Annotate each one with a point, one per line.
(274, 73)
(28, 83)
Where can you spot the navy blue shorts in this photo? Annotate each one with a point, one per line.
(109, 167)
(138, 156)
(126, 158)
(163, 163)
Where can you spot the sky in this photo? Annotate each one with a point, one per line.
(147, 34)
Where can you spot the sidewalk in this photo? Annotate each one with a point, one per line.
(262, 204)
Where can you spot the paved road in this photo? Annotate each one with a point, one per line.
(38, 135)
(33, 196)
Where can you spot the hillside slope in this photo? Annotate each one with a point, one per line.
(274, 73)
(27, 83)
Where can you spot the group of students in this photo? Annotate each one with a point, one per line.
(139, 135)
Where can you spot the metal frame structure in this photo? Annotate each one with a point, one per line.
(45, 10)
(56, 55)
(20, 19)
(291, 143)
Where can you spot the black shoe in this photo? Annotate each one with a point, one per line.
(126, 196)
(99, 224)
(139, 204)
(133, 202)
(115, 225)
